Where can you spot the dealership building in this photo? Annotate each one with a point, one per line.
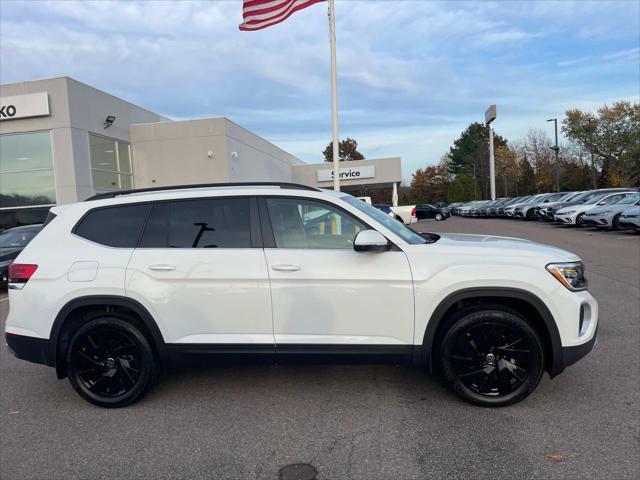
(62, 141)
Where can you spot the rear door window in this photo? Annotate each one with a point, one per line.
(199, 223)
(118, 226)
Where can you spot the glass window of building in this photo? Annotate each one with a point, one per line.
(110, 164)
(26, 170)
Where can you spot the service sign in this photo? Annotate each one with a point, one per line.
(349, 173)
(24, 106)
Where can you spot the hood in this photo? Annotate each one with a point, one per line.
(504, 246)
(632, 211)
(610, 208)
(559, 205)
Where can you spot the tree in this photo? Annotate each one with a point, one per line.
(348, 150)
(429, 184)
(470, 154)
(536, 148)
(612, 138)
(526, 178)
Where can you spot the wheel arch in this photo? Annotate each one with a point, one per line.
(109, 304)
(524, 302)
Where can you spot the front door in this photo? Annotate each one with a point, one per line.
(325, 293)
(201, 273)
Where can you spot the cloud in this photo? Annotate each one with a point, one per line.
(412, 75)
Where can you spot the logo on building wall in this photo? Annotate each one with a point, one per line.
(24, 106)
(350, 173)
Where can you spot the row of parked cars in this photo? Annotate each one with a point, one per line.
(609, 208)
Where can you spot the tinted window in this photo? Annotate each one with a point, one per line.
(207, 223)
(114, 226)
(299, 223)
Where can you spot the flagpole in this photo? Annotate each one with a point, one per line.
(334, 97)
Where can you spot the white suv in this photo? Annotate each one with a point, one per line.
(118, 286)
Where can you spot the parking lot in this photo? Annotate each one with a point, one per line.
(361, 422)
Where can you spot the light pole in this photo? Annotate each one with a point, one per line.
(490, 116)
(556, 149)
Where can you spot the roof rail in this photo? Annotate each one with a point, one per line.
(117, 193)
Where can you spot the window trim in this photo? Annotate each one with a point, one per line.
(254, 220)
(268, 237)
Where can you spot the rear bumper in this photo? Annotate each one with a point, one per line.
(571, 355)
(32, 349)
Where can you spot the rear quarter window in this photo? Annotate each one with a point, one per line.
(118, 226)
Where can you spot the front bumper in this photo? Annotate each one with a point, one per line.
(571, 355)
(567, 219)
(31, 349)
(594, 221)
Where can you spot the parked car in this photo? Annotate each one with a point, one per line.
(384, 209)
(12, 241)
(405, 213)
(573, 215)
(630, 219)
(530, 210)
(547, 211)
(608, 216)
(510, 211)
(116, 286)
(582, 198)
(426, 211)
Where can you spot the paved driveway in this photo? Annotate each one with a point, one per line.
(364, 422)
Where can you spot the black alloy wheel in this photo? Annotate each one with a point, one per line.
(110, 362)
(579, 220)
(492, 357)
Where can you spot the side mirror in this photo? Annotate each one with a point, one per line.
(370, 241)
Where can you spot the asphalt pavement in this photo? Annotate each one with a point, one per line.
(360, 421)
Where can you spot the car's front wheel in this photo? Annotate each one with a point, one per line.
(439, 217)
(110, 362)
(492, 357)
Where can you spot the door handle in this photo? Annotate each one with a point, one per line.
(163, 267)
(286, 268)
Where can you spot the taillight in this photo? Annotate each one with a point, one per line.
(413, 212)
(19, 274)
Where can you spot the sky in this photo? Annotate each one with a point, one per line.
(412, 75)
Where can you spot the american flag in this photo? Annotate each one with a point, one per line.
(258, 14)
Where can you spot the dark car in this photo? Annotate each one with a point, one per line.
(384, 208)
(12, 241)
(426, 210)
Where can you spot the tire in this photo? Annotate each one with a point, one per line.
(479, 366)
(615, 223)
(579, 220)
(439, 217)
(529, 216)
(99, 374)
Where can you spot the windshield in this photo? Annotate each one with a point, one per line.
(392, 224)
(555, 197)
(594, 197)
(629, 199)
(16, 238)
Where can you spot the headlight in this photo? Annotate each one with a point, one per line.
(571, 275)
(567, 213)
(603, 213)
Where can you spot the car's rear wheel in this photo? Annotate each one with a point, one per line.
(492, 357)
(110, 362)
(439, 217)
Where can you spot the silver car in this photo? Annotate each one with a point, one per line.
(608, 216)
(630, 219)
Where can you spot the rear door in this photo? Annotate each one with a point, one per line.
(201, 271)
